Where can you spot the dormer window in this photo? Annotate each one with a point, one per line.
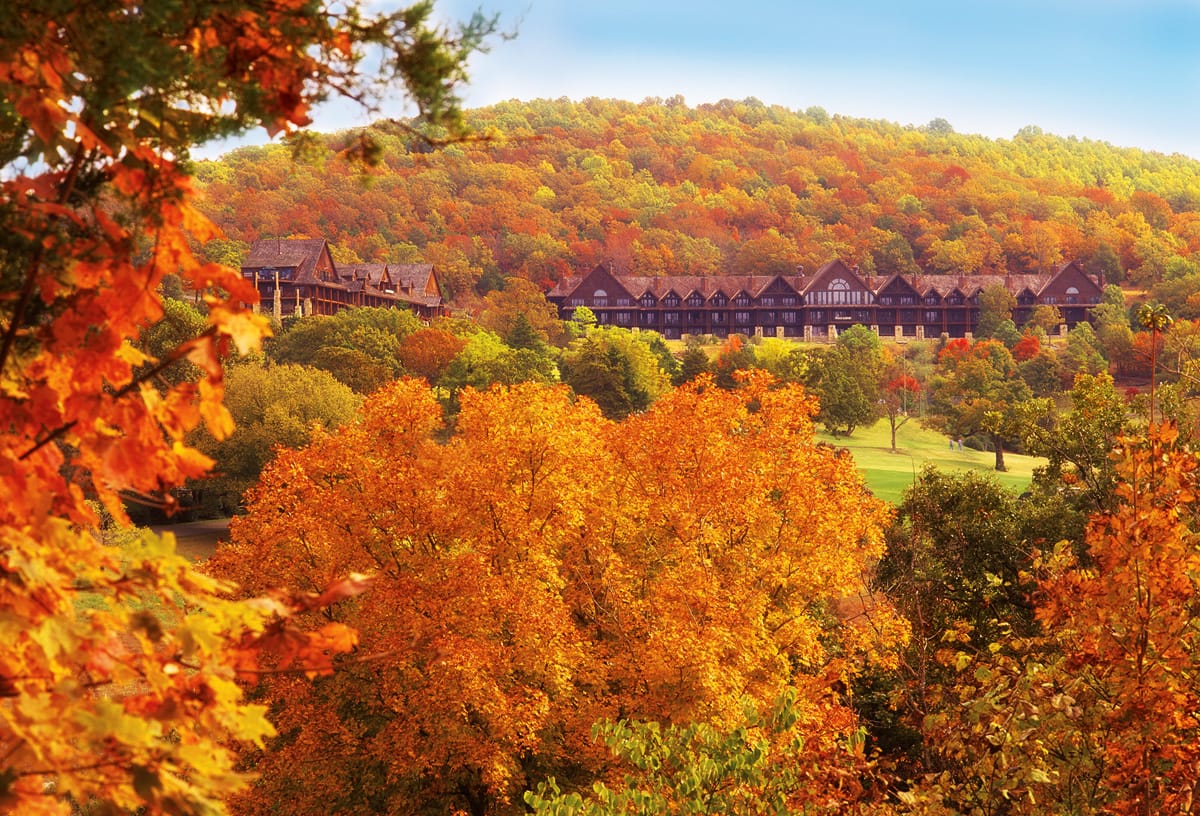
(647, 301)
(742, 299)
(671, 301)
(718, 300)
(695, 300)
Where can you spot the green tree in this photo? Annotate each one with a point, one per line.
(996, 305)
(693, 363)
(583, 317)
(1077, 443)
(1045, 317)
(955, 557)
(835, 381)
(616, 368)
(1106, 263)
(1082, 353)
(757, 766)
(976, 391)
(522, 335)
(1043, 373)
(274, 407)
(180, 322)
(486, 361)
(359, 346)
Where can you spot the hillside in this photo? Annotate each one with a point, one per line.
(662, 188)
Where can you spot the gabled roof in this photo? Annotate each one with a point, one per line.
(833, 269)
(969, 285)
(414, 279)
(373, 274)
(891, 281)
(301, 254)
(1071, 270)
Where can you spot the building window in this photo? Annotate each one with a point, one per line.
(671, 301)
(647, 318)
(838, 293)
(1051, 299)
(954, 299)
(624, 318)
(1072, 295)
(741, 317)
(695, 300)
(742, 299)
(933, 317)
(599, 298)
(624, 301)
(767, 300)
(718, 317)
(718, 300)
(931, 300)
(789, 300)
(671, 318)
(887, 300)
(648, 301)
(789, 317)
(817, 315)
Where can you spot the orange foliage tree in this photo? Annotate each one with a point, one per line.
(1099, 713)
(118, 667)
(546, 569)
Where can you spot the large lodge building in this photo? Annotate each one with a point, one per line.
(817, 306)
(299, 277)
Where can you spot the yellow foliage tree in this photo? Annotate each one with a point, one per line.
(546, 569)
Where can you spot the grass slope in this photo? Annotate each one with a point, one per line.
(888, 474)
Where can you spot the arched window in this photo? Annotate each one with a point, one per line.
(839, 291)
(599, 298)
(1072, 294)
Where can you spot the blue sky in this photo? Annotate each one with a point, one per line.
(1122, 71)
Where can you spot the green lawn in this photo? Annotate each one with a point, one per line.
(888, 473)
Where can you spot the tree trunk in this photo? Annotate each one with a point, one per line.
(893, 424)
(998, 444)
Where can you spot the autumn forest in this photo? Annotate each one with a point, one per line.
(496, 561)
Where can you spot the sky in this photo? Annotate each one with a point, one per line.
(1125, 72)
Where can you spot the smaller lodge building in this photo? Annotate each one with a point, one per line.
(817, 306)
(299, 277)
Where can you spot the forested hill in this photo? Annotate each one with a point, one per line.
(740, 187)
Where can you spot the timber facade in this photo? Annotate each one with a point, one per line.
(817, 306)
(299, 277)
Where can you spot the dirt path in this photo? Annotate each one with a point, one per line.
(197, 539)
